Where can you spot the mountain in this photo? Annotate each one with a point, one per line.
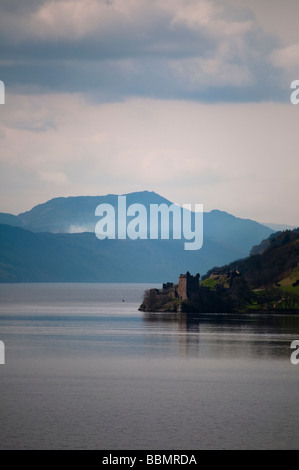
(55, 242)
(77, 214)
(279, 227)
(231, 232)
(46, 257)
(275, 262)
(10, 219)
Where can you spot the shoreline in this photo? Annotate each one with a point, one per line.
(211, 314)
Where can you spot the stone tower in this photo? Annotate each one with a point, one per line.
(188, 285)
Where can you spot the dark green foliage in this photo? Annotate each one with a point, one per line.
(277, 300)
(239, 292)
(209, 301)
(154, 301)
(265, 269)
(267, 275)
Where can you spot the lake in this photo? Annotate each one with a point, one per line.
(86, 370)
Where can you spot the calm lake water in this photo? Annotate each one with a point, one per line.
(85, 370)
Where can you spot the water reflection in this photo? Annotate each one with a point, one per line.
(225, 335)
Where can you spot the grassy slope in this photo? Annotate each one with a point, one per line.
(270, 274)
(290, 278)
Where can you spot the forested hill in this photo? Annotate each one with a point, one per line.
(274, 262)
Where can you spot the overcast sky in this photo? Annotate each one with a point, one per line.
(188, 98)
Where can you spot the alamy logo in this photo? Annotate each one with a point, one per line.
(134, 222)
(295, 354)
(2, 353)
(2, 92)
(295, 94)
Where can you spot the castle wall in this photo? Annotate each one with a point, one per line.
(188, 285)
(182, 288)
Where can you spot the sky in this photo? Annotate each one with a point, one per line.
(187, 98)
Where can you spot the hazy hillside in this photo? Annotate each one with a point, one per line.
(44, 257)
(53, 244)
(10, 219)
(77, 214)
(233, 232)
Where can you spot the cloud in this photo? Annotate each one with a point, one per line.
(287, 57)
(217, 20)
(213, 73)
(189, 98)
(81, 228)
(54, 177)
(178, 49)
(236, 157)
(274, 17)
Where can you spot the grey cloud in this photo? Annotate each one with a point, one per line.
(155, 78)
(38, 126)
(138, 59)
(16, 7)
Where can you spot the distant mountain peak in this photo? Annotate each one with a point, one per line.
(69, 254)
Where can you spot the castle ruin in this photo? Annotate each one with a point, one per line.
(157, 299)
(188, 285)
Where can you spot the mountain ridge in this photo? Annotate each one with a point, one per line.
(27, 256)
(72, 221)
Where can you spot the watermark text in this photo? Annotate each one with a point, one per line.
(2, 353)
(2, 92)
(295, 354)
(295, 94)
(163, 222)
